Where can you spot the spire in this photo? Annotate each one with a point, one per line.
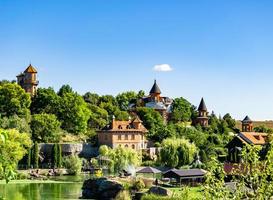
(30, 69)
(155, 89)
(247, 119)
(202, 105)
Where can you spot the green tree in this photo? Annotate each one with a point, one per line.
(15, 122)
(36, 154)
(230, 121)
(98, 118)
(73, 164)
(263, 129)
(14, 101)
(91, 98)
(253, 177)
(64, 90)
(13, 147)
(73, 113)
(125, 98)
(120, 157)
(181, 110)
(177, 152)
(45, 128)
(45, 101)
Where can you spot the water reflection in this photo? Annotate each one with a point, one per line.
(41, 191)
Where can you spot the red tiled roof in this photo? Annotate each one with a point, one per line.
(253, 137)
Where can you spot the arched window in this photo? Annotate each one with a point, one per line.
(126, 136)
(133, 137)
(133, 146)
(119, 127)
(126, 145)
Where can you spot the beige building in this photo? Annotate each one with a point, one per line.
(28, 80)
(129, 134)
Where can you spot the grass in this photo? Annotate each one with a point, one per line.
(193, 192)
(2, 182)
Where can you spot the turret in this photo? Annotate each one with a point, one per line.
(202, 118)
(28, 80)
(247, 124)
(155, 92)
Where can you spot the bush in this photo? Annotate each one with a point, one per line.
(73, 164)
(139, 185)
(123, 195)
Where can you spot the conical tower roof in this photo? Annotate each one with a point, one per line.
(202, 105)
(30, 69)
(247, 119)
(155, 89)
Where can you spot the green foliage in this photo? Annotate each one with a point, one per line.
(73, 164)
(45, 128)
(73, 113)
(15, 122)
(125, 98)
(181, 110)
(230, 121)
(57, 155)
(120, 157)
(14, 100)
(91, 98)
(139, 185)
(36, 155)
(123, 195)
(177, 152)
(65, 89)
(153, 121)
(253, 177)
(13, 146)
(263, 129)
(98, 118)
(45, 101)
(29, 158)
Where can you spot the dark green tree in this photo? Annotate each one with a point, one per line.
(45, 101)
(91, 98)
(73, 113)
(36, 155)
(125, 98)
(64, 90)
(181, 110)
(45, 128)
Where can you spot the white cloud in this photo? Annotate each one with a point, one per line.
(163, 68)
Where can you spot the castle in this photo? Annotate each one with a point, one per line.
(28, 80)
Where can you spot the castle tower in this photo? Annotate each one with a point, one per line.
(247, 124)
(28, 80)
(155, 92)
(202, 118)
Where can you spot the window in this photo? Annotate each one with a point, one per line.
(105, 137)
(119, 137)
(133, 137)
(133, 146)
(126, 137)
(126, 145)
(119, 127)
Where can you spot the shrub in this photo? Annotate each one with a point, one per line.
(123, 195)
(139, 185)
(73, 164)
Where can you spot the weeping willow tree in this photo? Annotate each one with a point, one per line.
(177, 152)
(120, 157)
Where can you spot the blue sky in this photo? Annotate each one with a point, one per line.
(219, 50)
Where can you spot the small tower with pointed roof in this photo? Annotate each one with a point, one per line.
(155, 92)
(202, 118)
(28, 80)
(247, 124)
